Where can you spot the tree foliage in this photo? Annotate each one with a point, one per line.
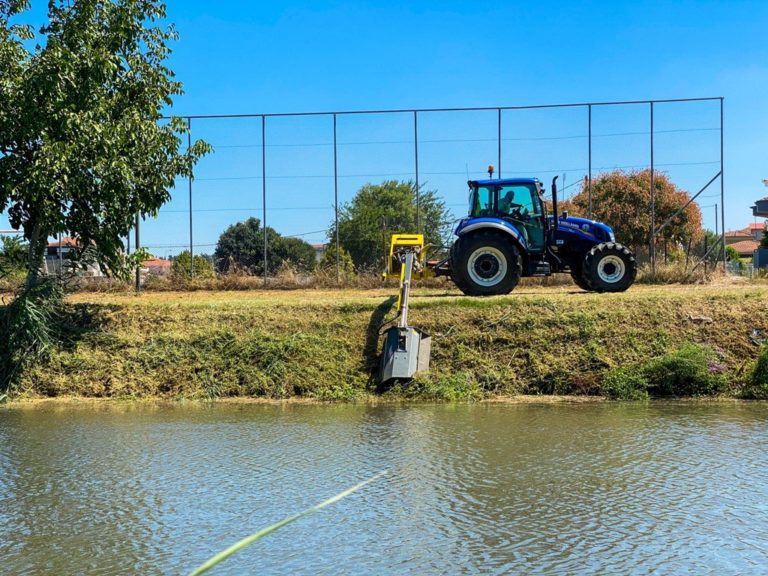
(242, 246)
(623, 200)
(379, 210)
(13, 255)
(184, 266)
(83, 144)
(83, 147)
(328, 261)
(764, 239)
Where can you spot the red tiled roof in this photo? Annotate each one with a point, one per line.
(742, 232)
(67, 242)
(745, 246)
(756, 226)
(156, 263)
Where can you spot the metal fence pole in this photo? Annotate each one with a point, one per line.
(416, 159)
(336, 201)
(498, 159)
(652, 246)
(189, 179)
(589, 145)
(138, 246)
(61, 259)
(264, 189)
(722, 186)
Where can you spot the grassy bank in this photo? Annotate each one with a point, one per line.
(324, 344)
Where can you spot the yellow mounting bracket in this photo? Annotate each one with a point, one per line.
(397, 245)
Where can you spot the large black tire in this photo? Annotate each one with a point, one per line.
(486, 264)
(609, 267)
(577, 274)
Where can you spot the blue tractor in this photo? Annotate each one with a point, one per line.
(508, 234)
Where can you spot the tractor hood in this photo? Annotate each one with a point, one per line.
(585, 227)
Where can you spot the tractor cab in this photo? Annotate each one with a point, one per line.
(517, 203)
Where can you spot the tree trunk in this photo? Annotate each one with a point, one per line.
(35, 256)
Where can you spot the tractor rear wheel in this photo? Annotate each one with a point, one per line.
(485, 264)
(609, 267)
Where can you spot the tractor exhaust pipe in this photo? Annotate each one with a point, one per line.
(554, 202)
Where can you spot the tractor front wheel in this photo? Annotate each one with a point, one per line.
(486, 264)
(577, 274)
(609, 267)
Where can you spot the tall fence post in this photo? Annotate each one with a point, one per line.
(189, 180)
(722, 187)
(61, 258)
(336, 201)
(138, 246)
(264, 189)
(589, 160)
(652, 245)
(416, 163)
(498, 158)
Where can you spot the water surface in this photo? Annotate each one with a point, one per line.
(666, 488)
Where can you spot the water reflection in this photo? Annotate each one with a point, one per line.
(471, 489)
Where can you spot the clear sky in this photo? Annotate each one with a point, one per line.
(238, 56)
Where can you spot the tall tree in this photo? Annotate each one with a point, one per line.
(242, 245)
(83, 144)
(379, 210)
(623, 200)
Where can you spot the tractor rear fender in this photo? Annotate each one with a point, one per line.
(505, 228)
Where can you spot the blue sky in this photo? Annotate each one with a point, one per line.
(253, 57)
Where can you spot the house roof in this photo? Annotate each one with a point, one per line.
(748, 231)
(66, 241)
(745, 246)
(156, 263)
(319, 246)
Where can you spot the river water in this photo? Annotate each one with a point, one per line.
(666, 488)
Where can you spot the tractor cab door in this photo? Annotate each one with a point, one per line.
(521, 205)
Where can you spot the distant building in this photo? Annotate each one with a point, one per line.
(58, 254)
(746, 240)
(156, 266)
(760, 209)
(319, 251)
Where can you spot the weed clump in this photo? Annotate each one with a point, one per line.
(692, 370)
(625, 383)
(757, 387)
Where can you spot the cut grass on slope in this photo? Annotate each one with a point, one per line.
(324, 344)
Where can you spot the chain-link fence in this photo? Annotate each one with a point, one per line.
(295, 171)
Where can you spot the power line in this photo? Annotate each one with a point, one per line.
(446, 173)
(460, 140)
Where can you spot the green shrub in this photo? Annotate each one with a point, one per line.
(184, 266)
(693, 370)
(757, 387)
(625, 383)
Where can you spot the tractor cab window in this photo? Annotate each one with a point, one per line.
(516, 201)
(481, 202)
(521, 205)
